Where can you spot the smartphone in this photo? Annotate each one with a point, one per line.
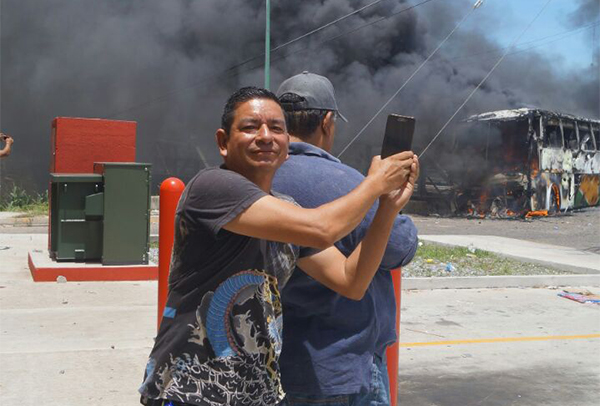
(398, 137)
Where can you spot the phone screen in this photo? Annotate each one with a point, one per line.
(398, 135)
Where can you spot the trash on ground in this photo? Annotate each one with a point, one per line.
(450, 267)
(581, 297)
(471, 248)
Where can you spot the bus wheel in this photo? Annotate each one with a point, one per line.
(554, 203)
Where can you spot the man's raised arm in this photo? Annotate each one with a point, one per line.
(351, 276)
(276, 220)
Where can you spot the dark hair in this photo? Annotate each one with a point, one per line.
(241, 96)
(301, 123)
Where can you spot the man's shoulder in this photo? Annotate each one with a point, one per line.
(218, 184)
(216, 173)
(318, 164)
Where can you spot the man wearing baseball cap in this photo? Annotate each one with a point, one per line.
(333, 348)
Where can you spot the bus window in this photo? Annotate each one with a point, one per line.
(586, 141)
(552, 135)
(596, 131)
(569, 134)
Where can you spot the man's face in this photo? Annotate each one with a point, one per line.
(258, 139)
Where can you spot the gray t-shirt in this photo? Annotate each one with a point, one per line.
(220, 337)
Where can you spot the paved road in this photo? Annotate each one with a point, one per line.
(524, 347)
(72, 344)
(579, 230)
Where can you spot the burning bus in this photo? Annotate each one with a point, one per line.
(522, 162)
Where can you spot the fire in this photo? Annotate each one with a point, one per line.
(537, 213)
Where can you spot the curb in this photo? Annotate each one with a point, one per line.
(483, 282)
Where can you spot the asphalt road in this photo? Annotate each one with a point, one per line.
(498, 347)
(579, 230)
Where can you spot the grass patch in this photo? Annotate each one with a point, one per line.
(447, 253)
(440, 260)
(18, 200)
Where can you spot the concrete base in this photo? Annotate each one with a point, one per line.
(44, 269)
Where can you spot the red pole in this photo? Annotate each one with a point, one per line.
(393, 350)
(170, 192)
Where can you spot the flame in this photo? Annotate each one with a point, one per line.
(537, 213)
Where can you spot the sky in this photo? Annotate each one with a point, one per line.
(574, 48)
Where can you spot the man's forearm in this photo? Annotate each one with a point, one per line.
(364, 261)
(339, 217)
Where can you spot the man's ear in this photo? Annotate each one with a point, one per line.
(327, 123)
(221, 137)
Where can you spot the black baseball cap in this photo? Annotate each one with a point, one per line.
(316, 92)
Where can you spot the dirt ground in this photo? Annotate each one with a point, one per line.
(579, 229)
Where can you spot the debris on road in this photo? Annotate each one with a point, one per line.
(581, 297)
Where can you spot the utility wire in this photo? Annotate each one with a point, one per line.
(562, 35)
(360, 27)
(232, 68)
(485, 78)
(326, 25)
(409, 79)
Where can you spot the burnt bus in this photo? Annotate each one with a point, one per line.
(521, 162)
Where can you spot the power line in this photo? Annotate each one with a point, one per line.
(485, 78)
(561, 35)
(477, 4)
(326, 25)
(232, 69)
(360, 27)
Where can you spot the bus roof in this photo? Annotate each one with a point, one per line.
(515, 114)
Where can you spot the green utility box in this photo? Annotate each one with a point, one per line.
(126, 212)
(76, 217)
(103, 216)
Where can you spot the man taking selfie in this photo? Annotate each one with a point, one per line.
(236, 245)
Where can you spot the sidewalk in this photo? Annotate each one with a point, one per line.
(550, 255)
(70, 344)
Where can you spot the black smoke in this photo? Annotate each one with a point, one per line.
(170, 65)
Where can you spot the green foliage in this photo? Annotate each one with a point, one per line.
(433, 259)
(19, 199)
(444, 253)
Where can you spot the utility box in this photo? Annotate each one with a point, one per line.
(103, 216)
(126, 212)
(76, 218)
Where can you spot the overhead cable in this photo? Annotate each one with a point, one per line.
(485, 78)
(232, 68)
(475, 6)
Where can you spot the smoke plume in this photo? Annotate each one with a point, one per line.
(168, 66)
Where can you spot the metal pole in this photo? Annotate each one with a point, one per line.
(393, 351)
(268, 45)
(170, 192)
